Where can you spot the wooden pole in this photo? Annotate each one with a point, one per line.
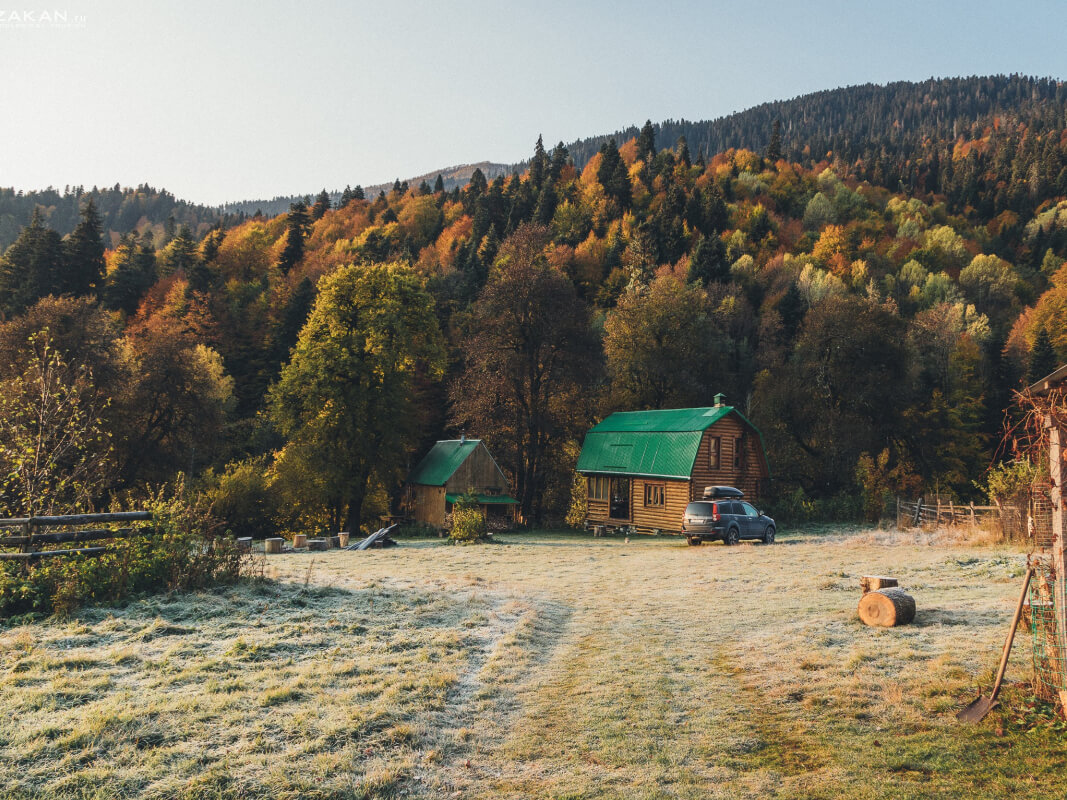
(1059, 549)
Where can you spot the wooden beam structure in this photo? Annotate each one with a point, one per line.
(1059, 547)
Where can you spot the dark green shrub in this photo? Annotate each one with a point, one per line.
(185, 551)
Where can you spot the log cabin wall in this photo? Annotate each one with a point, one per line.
(645, 517)
(666, 517)
(748, 478)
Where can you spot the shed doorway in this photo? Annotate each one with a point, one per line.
(619, 503)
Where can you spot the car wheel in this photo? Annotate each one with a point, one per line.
(768, 535)
(732, 536)
(692, 541)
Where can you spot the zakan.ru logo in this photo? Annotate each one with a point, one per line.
(40, 18)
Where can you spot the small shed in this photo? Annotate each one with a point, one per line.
(452, 468)
(643, 467)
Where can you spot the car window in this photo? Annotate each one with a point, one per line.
(700, 509)
(749, 510)
(730, 508)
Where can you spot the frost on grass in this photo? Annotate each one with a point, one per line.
(547, 666)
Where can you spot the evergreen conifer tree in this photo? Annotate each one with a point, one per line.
(1042, 357)
(84, 251)
(297, 224)
(646, 142)
(322, 205)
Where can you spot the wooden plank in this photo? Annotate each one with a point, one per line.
(1059, 546)
(77, 519)
(84, 551)
(74, 536)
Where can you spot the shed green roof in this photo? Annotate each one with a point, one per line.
(442, 461)
(658, 444)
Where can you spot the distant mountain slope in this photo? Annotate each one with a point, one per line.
(451, 177)
(898, 116)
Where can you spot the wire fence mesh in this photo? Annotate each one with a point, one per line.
(1050, 660)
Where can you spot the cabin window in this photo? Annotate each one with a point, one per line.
(739, 452)
(714, 452)
(598, 488)
(654, 495)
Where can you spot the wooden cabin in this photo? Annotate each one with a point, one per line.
(643, 467)
(452, 468)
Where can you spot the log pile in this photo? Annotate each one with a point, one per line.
(884, 604)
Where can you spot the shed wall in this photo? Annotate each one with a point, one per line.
(430, 505)
(478, 471)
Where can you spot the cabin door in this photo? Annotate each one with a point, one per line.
(619, 504)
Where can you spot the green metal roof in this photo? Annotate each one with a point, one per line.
(487, 499)
(442, 461)
(664, 421)
(658, 444)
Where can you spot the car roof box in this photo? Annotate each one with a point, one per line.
(715, 492)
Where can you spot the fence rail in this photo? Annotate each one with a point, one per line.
(1008, 520)
(28, 539)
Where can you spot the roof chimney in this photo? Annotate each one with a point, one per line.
(719, 398)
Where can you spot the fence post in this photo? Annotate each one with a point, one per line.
(1059, 606)
(918, 513)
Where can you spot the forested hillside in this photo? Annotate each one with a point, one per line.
(872, 326)
(121, 210)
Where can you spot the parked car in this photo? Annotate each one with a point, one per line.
(724, 515)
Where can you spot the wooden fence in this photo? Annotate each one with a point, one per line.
(28, 539)
(1008, 520)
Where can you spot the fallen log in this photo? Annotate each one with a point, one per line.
(887, 608)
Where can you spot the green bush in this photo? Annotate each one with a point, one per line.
(468, 525)
(244, 501)
(184, 552)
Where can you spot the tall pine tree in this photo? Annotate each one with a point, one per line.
(84, 251)
(297, 224)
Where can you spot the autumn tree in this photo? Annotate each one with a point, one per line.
(346, 395)
(661, 347)
(820, 411)
(54, 452)
(176, 404)
(529, 355)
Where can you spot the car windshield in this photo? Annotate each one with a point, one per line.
(700, 509)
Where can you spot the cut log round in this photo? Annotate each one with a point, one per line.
(273, 545)
(871, 582)
(300, 540)
(342, 539)
(318, 544)
(887, 608)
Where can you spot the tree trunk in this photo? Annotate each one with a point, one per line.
(887, 608)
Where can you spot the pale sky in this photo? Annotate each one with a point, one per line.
(229, 101)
